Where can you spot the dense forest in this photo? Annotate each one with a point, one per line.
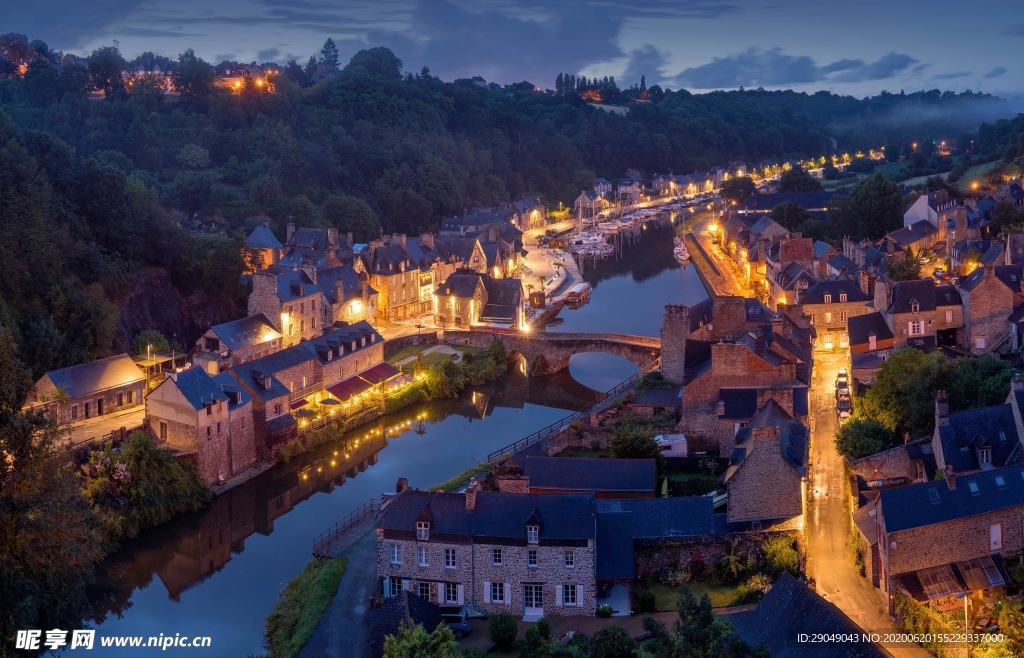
(112, 193)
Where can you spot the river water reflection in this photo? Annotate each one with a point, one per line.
(218, 572)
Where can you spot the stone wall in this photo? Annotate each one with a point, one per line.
(74, 409)
(986, 309)
(674, 332)
(584, 437)
(652, 555)
(765, 486)
(886, 465)
(428, 337)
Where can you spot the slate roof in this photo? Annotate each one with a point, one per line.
(252, 377)
(815, 294)
(95, 376)
(263, 238)
(861, 327)
(294, 284)
(653, 518)
(659, 397)
(928, 503)
(821, 248)
(740, 403)
(909, 235)
(562, 516)
(906, 293)
(614, 546)
(1010, 275)
(841, 262)
(198, 388)
(351, 288)
(947, 295)
(340, 339)
(762, 225)
(791, 608)
(581, 474)
(756, 311)
(460, 284)
(791, 274)
(792, 437)
(246, 332)
(507, 292)
(971, 429)
(394, 613)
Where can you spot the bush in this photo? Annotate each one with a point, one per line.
(780, 556)
(544, 627)
(754, 588)
(612, 642)
(502, 630)
(473, 652)
(604, 611)
(301, 605)
(1017, 573)
(674, 576)
(645, 601)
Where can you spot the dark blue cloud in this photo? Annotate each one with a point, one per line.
(1017, 29)
(268, 55)
(131, 31)
(65, 23)
(995, 73)
(884, 68)
(952, 76)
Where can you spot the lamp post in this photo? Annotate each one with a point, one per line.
(149, 363)
(419, 354)
(965, 596)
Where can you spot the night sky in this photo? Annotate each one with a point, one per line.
(857, 47)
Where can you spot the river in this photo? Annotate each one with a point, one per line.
(218, 572)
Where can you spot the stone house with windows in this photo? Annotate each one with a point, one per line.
(603, 187)
(929, 207)
(627, 191)
(467, 298)
(871, 341)
(921, 314)
(348, 296)
(291, 300)
(210, 417)
(271, 410)
(767, 468)
(262, 248)
(937, 541)
(979, 439)
(96, 388)
(589, 204)
(990, 296)
(829, 305)
(321, 247)
(233, 343)
(529, 555)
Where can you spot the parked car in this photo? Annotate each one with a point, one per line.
(457, 619)
(551, 232)
(844, 406)
(842, 382)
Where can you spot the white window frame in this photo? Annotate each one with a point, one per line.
(842, 297)
(949, 317)
(394, 555)
(533, 534)
(450, 593)
(422, 557)
(496, 557)
(915, 328)
(828, 298)
(532, 558)
(569, 596)
(569, 559)
(449, 558)
(423, 530)
(495, 593)
(985, 456)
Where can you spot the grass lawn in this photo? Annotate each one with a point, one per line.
(975, 173)
(892, 170)
(302, 604)
(428, 360)
(722, 596)
(405, 352)
(692, 484)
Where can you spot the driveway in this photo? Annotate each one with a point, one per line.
(100, 426)
(829, 526)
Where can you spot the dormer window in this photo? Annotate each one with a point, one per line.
(985, 456)
(842, 297)
(828, 298)
(532, 534)
(915, 307)
(423, 531)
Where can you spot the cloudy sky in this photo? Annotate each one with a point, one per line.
(858, 47)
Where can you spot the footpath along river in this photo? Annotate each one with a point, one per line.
(218, 572)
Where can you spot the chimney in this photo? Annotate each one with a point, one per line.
(351, 242)
(471, 495)
(339, 291)
(398, 238)
(402, 485)
(291, 231)
(427, 240)
(950, 477)
(364, 289)
(941, 410)
(777, 324)
(867, 283)
(492, 233)
(332, 237)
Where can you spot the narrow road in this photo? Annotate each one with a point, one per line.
(731, 281)
(829, 552)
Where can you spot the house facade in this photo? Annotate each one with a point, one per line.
(527, 555)
(291, 300)
(990, 295)
(829, 305)
(88, 390)
(233, 343)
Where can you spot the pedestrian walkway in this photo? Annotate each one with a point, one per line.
(442, 349)
(342, 631)
(100, 426)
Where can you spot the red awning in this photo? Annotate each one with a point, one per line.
(301, 402)
(348, 388)
(378, 373)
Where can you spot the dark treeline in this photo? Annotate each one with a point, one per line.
(97, 187)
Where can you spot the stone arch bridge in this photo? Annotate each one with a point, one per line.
(548, 352)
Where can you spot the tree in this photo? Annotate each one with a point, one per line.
(790, 215)
(1007, 218)
(194, 79)
(892, 152)
(377, 61)
(698, 631)
(979, 382)
(413, 641)
(294, 72)
(907, 268)
(798, 180)
(150, 341)
(105, 67)
(192, 156)
(873, 208)
(860, 437)
(193, 189)
(632, 444)
(737, 189)
(903, 396)
(74, 79)
(613, 642)
(348, 213)
(502, 629)
(329, 55)
(780, 555)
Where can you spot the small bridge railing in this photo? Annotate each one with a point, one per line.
(322, 543)
(559, 425)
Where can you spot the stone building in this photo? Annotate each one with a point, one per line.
(829, 305)
(96, 388)
(939, 540)
(233, 343)
(348, 296)
(990, 295)
(979, 439)
(321, 248)
(767, 468)
(405, 279)
(605, 478)
(468, 298)
(921, 314)
(210, 417)
(291, 300)
(262, 249)
(528, 555)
